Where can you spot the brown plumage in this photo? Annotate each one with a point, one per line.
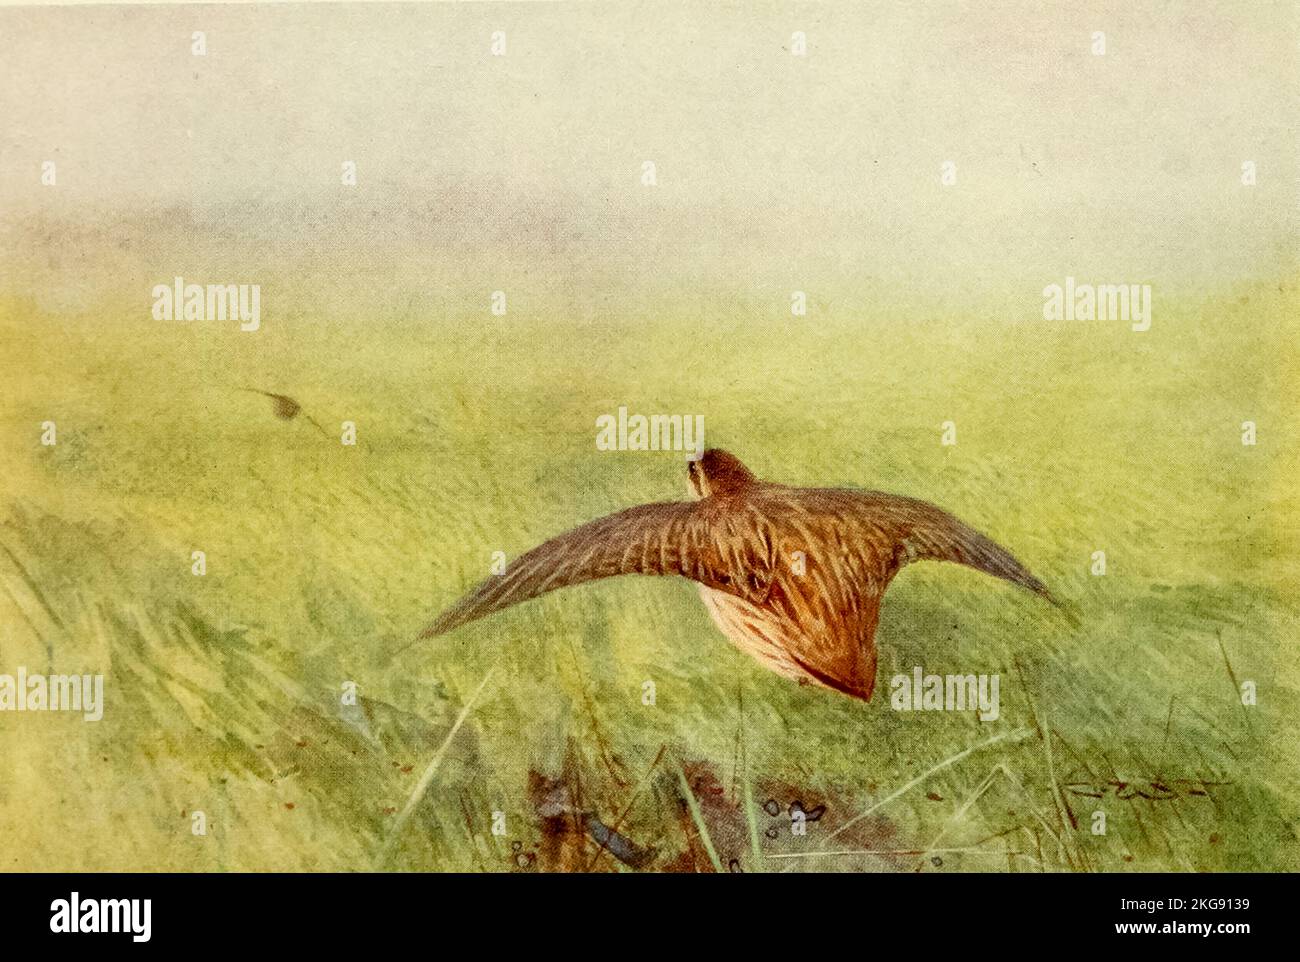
(792, 576)
(285, 407)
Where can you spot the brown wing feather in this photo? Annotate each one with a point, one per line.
(895, 529)
(854, 543)
(694, 540)
(831, 601)
(926, 532)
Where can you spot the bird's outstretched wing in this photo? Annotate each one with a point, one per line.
(693, 539)
(851, 544)
(908, 529)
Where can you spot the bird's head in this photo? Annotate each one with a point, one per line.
(716, 472)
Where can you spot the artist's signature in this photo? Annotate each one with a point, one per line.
(1153, 789)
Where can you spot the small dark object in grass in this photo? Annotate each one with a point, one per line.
(284, 407)
(813, 815)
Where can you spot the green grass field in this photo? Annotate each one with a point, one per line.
(224, 691)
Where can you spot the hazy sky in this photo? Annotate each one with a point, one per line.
(771, 168)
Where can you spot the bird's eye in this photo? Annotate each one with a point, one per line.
(691, 468)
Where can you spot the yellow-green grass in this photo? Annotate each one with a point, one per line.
(477, 434)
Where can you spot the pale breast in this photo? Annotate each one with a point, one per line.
(761, 634)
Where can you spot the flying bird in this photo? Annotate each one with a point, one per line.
(792, 576)
(285, 407)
